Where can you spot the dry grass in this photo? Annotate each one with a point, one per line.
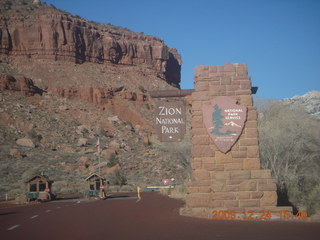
(179, 192)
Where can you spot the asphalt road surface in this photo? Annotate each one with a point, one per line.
(122, 217)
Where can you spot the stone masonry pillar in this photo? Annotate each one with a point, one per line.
(233, 180)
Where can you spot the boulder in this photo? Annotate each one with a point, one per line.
(82, 129)
(13, 152)
(106, 153)
(114, 144)
(114, 119)
(82, 142)
(25, 142)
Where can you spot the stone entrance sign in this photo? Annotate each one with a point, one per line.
(224, 120)
(170, 121)
(226, 172)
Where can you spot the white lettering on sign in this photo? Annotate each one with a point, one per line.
(233, 113)
(236, 117)
(170, 121)
(165, 129)
(233, 110)
(169, 111)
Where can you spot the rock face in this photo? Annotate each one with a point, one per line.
(309, 102)
(36, 30)
(19, 84)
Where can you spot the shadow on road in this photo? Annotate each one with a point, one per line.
(119, 196)
(8, 213)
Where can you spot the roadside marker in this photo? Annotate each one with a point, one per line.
(138, 192)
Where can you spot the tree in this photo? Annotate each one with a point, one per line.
(118, 178)
(289, 146)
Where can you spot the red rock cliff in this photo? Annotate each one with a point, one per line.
(36, 30)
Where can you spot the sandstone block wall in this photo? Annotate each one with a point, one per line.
(231, 181)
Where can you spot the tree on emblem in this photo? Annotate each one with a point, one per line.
(217, 122)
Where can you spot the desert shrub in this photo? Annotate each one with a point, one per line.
(304, 190)
(179, 153)
(7, 5)
(178, 192)
(14, 193)
(56, 187)
(289, 146)
(66, 190)
(113, 189)
(66, 185)
(127, 188)
(147, 144)
(147, 105)
(117, 178)
(142, 89)
(32, 133)
(112, 160)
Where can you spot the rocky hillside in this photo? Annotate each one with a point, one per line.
(64, 83)
(310, 102)
(42, 131)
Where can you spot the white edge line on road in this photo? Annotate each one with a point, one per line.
(13, 227)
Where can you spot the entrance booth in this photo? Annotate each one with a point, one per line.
(39, 188)
(95, 185)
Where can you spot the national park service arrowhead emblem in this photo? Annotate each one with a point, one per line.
(224, 120)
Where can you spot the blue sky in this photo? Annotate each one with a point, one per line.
(279, 40)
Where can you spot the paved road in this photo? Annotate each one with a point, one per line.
(154, 217)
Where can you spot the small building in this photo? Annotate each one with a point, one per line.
(39, 188)
(95, 185)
